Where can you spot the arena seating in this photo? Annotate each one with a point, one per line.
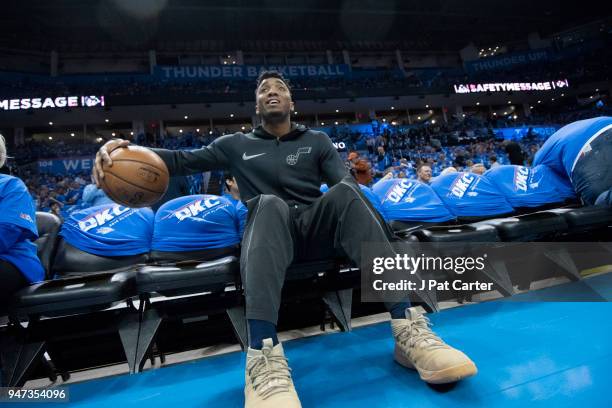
(457, 233)
(213, 277)
(91, 283)
(585, 220)
(48, 226)
(113, 285)
(537, 226)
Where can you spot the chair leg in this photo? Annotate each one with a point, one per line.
(237, 315)
(19, 355)
(162, 355)
(562, 258)
(429, 300)
(129, 327)
(49, 368)
(151, 320)
(498, 273)
(28, 356)
(339, 303)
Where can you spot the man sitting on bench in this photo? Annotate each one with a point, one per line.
(280, 167)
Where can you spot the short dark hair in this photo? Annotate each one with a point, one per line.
(272, 74)
(493, 158)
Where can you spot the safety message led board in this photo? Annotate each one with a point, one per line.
(88, 101)
(511, 86)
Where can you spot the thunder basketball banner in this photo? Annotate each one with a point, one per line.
(248, 71)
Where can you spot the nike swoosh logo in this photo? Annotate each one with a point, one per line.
(245, 157)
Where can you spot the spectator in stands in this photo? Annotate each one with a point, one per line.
(351, 159)
(384, 159)
(424, 174)
(493, 161)
(19, 263)
(362, 171)
(478, 168)
(460, 159)
(375, 125)
(405, 165)
(94, 196)
(532, 149)
(80, 180)
(371, 143)
(448, 170)
(74, 193)
(514, 151)
(60, 192)
(56, 208)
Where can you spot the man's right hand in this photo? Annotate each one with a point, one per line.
(103, 157)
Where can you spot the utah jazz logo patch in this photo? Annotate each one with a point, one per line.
(292, 159)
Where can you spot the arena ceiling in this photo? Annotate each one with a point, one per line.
(145, 24)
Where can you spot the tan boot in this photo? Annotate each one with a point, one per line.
(417, 347)
(268, 379)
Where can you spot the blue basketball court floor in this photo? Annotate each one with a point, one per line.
(528, 352)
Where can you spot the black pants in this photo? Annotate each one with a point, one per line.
(592, 174)
(276, 235)
(11, 280)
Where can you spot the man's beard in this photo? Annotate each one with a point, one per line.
(275, 118)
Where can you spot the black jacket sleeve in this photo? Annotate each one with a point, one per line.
(332, 167)
(184, 162)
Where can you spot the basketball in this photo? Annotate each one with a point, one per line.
(137, 178)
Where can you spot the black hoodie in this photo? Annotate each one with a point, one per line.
(291, 167)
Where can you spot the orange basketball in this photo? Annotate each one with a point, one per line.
(137, 178)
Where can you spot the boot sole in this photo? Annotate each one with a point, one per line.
(445, 376)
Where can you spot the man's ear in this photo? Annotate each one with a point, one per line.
(256, 109)
(292, 106)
